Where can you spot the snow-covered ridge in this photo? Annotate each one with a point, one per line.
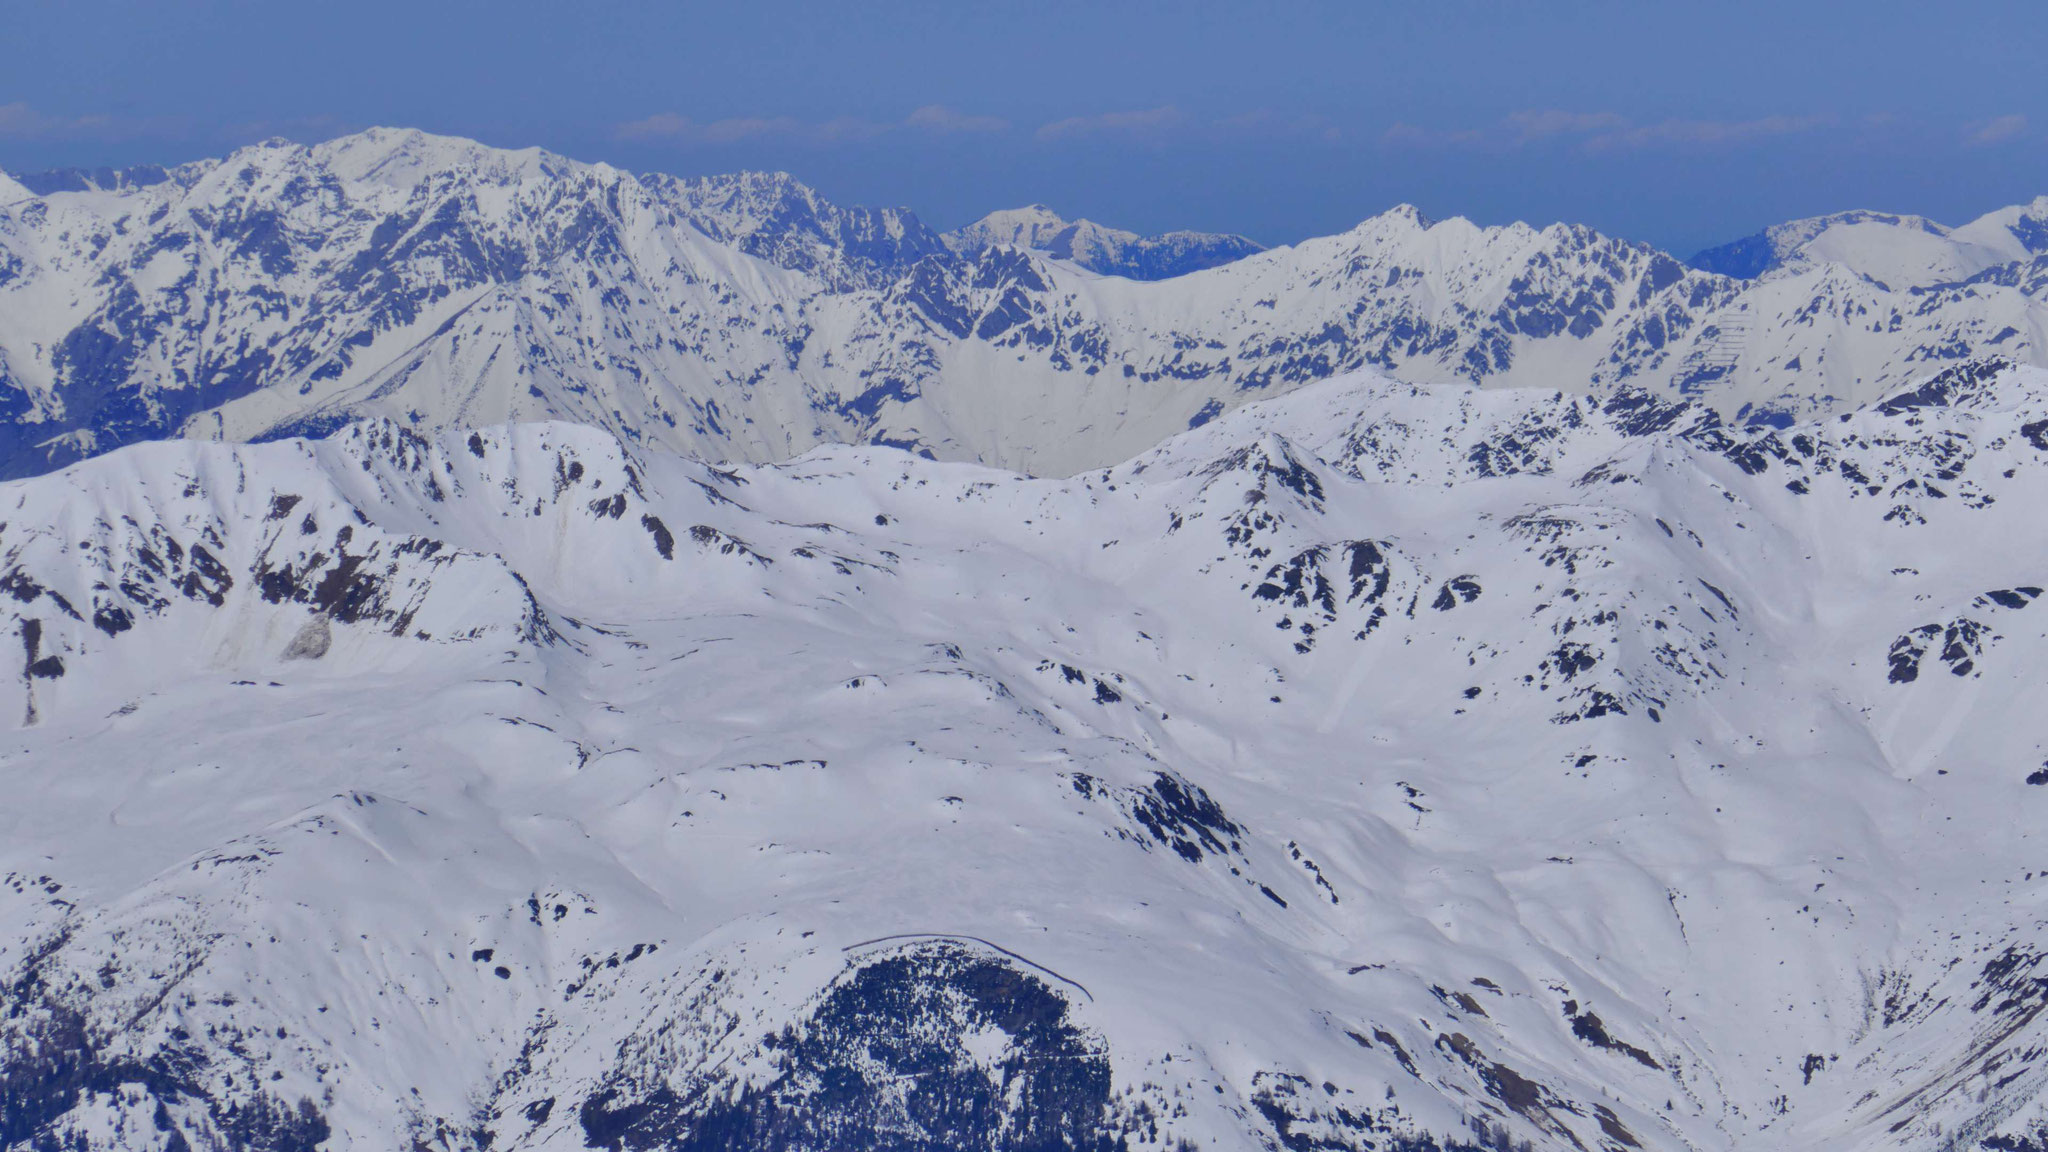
(1378, 766)
(774, 216)
(1110, 251)
(287, 290)
(1900, 251)
(12, 189)
(402, 158)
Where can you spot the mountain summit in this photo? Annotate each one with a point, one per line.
(1902, 252)
(1110, 251)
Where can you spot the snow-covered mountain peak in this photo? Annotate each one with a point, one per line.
(288, 290)
(1899, 251)
(1454, 239)
(1407, 212)
(1110, 251)
(402, 157)
(1032, 226)
(1904, 251)
(1402, 220)
(775, 216)
(2021, 229)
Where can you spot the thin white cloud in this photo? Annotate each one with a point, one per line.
(1405, 135)
(1702, 133)
(18, 121)
(675, 128)
(1998, 130)
(736, 128)
(671, 126)
(1542, 123)
(939, 118)
(1143, 122)
(845, 129)
(1267, 123)
(1600, 131)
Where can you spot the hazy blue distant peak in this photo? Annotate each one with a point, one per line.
(100, 179)
(1110, 251)
(1744, 259)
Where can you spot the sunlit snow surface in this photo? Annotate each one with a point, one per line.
(1374, 767)
(287, 290)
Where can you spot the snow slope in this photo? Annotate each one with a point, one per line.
(1378, 766)
(287, 290)
(1903, 252)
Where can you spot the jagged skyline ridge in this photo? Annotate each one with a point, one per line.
(1223, 122)
(1744, 257)
(439, 282)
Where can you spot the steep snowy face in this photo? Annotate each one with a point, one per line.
(2022, 226)
(12, 189)
(1380, 766)
(429, 280)
(1109, 251)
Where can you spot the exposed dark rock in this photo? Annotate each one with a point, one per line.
(881, 1062)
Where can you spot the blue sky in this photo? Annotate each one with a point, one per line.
(1682, 124)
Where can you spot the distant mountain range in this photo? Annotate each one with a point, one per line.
(1110, 251)
(287, 290)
